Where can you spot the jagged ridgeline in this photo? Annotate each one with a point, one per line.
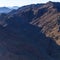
(31, 32)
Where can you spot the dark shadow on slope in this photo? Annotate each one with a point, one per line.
(27, 40)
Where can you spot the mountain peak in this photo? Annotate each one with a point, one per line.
(50, 3)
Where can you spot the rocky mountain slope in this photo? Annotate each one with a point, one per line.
(31, 33)
(50, 21)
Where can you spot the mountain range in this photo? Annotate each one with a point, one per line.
(7, 9)
(31, 32)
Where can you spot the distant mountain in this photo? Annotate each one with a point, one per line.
(7, 9)
(31, 32)
(4, 10)
(15, 7)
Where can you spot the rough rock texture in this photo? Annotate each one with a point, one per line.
(50, 21)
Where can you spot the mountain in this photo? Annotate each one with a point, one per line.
(49, 21)
(4, 10)
(15, 7)
(31, 33)
(8, 9)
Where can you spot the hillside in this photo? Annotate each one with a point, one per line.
(50, 21)
(31, 32)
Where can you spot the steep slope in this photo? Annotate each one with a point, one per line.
(25, 33)
(45, 16)
(25, 43)
(49, 21)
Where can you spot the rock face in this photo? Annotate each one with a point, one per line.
(50, 20)
(31, 33)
